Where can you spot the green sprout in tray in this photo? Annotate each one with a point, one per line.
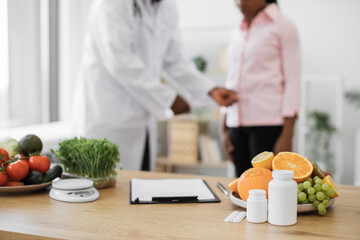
(91, 158)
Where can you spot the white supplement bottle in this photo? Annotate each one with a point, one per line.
(256, 206)
(282, 208)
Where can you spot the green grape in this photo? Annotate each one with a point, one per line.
(321, 206)
(306, 184)
(320, 196)
(322, 212)
(311, 190)
(319, 181)
(312, 198)
(301, 196)
(299, 191)
(321, 209)
(325, 187)
(330, 192)
(300, 186)
(316, 203)
(310, 180)
(316, 177)
(317, 187)
(327, 197)
(325, 202)
(306, 201)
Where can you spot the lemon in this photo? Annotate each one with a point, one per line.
(263, 160)
(329, 180)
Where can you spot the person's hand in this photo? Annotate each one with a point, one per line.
(180, 106)
(223, 96)
(283, 144)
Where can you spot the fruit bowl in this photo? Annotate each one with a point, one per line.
(235, 198)
(25, 188)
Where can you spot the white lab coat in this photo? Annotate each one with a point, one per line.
(128, 44)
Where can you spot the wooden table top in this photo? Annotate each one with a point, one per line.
(37, 216)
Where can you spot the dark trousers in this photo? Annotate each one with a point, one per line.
(146, 157)
(250, 141)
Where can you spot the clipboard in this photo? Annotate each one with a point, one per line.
(152, 191)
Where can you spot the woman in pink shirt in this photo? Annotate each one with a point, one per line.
(264, 70)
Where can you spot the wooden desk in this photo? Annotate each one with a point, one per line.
(36, 216)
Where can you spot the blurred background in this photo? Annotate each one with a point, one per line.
(41, 47)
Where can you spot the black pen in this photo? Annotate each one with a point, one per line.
(183, 199)
(222, 188)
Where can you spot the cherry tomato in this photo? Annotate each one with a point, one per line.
(39, 163)
(18, 170)
(14, 184)
(4, 156)
(3, 178)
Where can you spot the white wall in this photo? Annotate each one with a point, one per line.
(329, 35)
(206, 26)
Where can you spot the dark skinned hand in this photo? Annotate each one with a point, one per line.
(180, 106)
(223, 96)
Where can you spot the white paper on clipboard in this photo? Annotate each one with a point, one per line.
(146, 189)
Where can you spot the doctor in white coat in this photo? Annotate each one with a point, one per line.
(128, 44)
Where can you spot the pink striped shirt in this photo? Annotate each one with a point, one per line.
(264, 69)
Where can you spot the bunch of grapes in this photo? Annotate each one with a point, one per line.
(316, 192)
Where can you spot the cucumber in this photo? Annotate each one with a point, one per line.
(34, 177)
(52, 173)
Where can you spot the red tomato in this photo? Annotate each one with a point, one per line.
(14, 184)
(3, 179)
(17, 170)
(39, 163)
(4, 156)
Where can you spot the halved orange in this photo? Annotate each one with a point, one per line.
(263, 159)
(329, 180)
(292, 161)
(233, 185)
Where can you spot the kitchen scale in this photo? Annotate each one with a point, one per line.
(74, 190)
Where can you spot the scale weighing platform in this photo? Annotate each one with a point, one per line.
(74, 190)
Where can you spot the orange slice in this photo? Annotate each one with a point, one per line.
(234, 185)
(329, 180)
(292, 161)
(263, 160)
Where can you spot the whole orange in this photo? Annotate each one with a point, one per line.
(254, 178)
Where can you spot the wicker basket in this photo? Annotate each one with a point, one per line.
(183, 141)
